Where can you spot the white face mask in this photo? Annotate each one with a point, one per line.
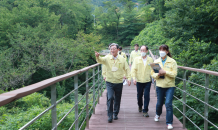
(162, 53)
(143, 54)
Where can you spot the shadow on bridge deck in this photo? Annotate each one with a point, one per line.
(129, 117)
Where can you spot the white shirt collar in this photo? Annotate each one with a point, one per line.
(115, 57)
(145, 60)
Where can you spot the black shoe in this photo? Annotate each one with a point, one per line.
(115, 117)
(140, 109)
(110, 119)
(145, 114)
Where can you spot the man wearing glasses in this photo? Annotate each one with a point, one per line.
(116, 67)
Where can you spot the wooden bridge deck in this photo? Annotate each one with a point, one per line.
(129, 117)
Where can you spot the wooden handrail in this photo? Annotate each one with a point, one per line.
(152, 56)
(192, 69)
(199, 70)
(8, 97)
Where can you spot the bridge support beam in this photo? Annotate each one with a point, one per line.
(184, 99)
(76, 102)
(93, 73)
(98, 84)
(87, 100)
(206, 102)
(53, 110)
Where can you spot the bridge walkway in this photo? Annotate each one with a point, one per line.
(129, 117)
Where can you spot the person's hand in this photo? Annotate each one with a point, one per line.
(97, 54)
(162, 72)
(134, 81)
(129, 82)
(104, 78)
(129, 65)
(124, 77)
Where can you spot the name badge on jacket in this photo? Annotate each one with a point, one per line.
(114, 68)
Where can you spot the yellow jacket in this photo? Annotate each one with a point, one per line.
(104, 69)
(170, 67)
(141, 72)
(133, 55)
(123, 54)
(120, 63)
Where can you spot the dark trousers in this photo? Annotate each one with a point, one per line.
(161, 94)
(143, 88)
(107, 99)
(114, 93)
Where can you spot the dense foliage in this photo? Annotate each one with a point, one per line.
(42, 39)
(184, 25)
(119, 21)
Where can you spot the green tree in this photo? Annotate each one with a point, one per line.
(28, 29)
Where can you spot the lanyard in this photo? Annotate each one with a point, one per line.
(115, 61)
(113, 67)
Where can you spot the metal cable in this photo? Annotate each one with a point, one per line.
(202, 86)
(196, 112)
(75, 89)
(198, 99)
(187, 117)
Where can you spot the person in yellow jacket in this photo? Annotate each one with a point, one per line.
(104, 72)
(116, 67)
(122, 53)
(165, 86)
(134, 54)
(141, 74)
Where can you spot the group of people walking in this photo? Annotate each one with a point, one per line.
(115, 69)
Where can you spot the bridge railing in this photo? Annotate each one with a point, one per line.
(185, 93)
(8, 97)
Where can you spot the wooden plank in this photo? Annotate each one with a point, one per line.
(129, 117)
